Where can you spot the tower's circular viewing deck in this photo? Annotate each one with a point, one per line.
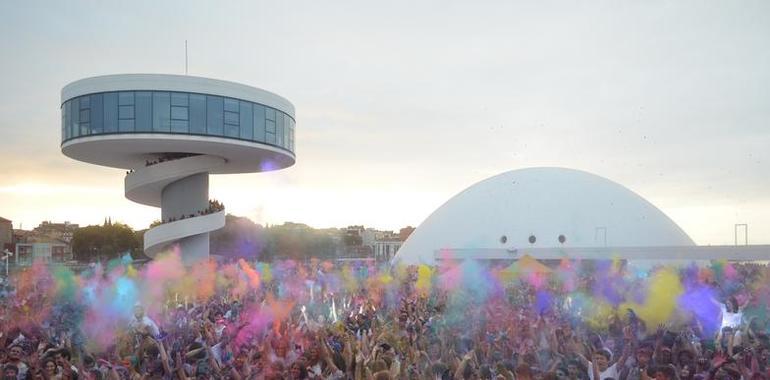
(125, 121)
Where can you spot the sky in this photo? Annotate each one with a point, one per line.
(402, 104)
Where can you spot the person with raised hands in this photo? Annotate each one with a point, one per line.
(142, 325)
(601, 367)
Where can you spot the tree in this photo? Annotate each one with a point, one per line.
(299, 241)
(243, 238)
(239, 238)
(107, 241)
(352, 240)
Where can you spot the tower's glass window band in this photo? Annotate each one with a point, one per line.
(176, 113)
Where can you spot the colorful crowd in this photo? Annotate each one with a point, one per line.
(321, 320)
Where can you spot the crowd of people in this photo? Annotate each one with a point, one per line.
(167, 157)
(164, 158)
(321, 320)
(214, 206)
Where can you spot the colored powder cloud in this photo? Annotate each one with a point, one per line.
(424, 274)
(699, 301)
(251, 274)
(662, 296)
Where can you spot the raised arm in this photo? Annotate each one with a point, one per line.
(576, 352)
(210, 354)
(628, 347)
(659, 341)
(325, 355)
(621, 363)
(359, 372)
(347, 353)
(164, 358)
(180, 367)
(745, 303)
(461, 368)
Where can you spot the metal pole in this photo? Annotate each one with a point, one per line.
(745, 233)
(7, 256)
(185, 57)
(596, 235)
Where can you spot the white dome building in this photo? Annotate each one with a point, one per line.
(541, 209)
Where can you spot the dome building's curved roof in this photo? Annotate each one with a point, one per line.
(542, 208)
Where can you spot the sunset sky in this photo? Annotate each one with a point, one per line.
(402, 104)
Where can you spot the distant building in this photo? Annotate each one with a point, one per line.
(369, 242)
(61, 231)
(405, 232)
(352, 239)
(368, 237)
(384, 250)
(20, 236)
(386, 245)
(32, 246)
(354, 231)
(27, 253)
(6, 234)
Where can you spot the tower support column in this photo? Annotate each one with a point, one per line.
(184, 199)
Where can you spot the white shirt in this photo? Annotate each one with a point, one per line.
(291, 356)
(22, 370)
(315, 371)
(146, 321)
(729, 319)
(610, 372)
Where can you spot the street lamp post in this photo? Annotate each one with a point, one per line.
(7, 255)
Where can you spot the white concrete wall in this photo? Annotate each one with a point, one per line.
(182, 83)
(185, 196)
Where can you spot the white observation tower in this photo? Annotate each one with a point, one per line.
(170, 132)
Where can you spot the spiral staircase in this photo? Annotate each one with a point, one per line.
(180, 188)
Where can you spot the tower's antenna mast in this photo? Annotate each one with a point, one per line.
(185, 57)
